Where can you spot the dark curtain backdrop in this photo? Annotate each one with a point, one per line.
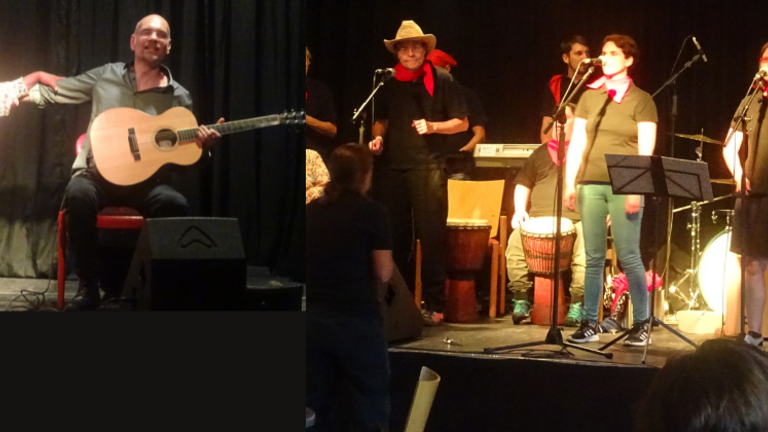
(238, 58)
(508, 50)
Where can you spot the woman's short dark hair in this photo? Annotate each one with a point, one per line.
(348, 167)
(567, 44)
(723, 386)
(626, 44)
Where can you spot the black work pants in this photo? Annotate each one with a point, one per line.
(347, 353)
(417, 201)
(88, 193)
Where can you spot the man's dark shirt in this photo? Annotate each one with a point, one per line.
(320, 106)
(340, 238)
(756, 166)
(476, 117)
(400, 103)
(539, 173)
(111, 86)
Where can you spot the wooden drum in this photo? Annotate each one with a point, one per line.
(466, 244)
(539, 246)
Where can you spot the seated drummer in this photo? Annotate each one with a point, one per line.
(535, 186)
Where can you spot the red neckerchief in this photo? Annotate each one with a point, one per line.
(554, 86)
(403, 74)
(617, 88)
(552, 147)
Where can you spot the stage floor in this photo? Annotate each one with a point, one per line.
(10, 289)
(528, 388)
(471, 339)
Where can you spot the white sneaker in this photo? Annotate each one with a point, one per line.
(758, 342)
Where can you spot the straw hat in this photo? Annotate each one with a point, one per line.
(409, 30)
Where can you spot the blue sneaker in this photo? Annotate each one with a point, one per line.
(522, 312)
(576, 314)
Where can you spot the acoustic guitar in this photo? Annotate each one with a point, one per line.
(129, 146)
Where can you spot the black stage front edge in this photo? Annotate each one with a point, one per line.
(525, 389)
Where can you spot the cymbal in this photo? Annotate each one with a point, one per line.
(723, 181)
(700, 137)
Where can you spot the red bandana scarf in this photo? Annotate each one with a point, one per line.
(552, 147)
(403, 74)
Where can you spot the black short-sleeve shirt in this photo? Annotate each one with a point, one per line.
(757, 144)
(320, 106)
(539, 174)
(400, 103)
(339, 240)
(476, 117)
(611, 128)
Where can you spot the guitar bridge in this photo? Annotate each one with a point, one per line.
(134, 144)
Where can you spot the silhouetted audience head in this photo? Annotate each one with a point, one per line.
(351, 167)
(722, 387)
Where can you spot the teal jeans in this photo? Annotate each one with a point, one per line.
(596, 201)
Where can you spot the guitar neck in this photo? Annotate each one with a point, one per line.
(233, 126)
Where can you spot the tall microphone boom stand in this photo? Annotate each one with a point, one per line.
(555, 335)
(362, 107)
(670, 202)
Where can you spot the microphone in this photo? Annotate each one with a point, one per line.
(703, 56)
(597, 61)
(762, 73)
(387, 71)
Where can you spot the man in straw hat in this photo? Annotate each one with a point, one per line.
(416, 110)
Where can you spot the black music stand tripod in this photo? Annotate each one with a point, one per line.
(657, 177)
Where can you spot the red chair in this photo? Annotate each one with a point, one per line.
(108, 218)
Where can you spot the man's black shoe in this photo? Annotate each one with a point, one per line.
(86, 299)
(110, 303)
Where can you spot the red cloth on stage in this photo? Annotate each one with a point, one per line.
(617, 88)
(554, 86)
(403, 74)
(441, 58)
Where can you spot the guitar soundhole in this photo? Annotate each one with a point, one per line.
(165, 139)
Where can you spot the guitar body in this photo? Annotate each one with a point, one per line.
(129, 146)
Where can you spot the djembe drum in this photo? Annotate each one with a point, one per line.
(539, 246)
(466, 242)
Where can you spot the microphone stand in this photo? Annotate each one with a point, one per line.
(758, 84)
(357, 111)
(555, 335)
(670, 201)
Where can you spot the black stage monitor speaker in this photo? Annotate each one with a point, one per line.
(402, 318)
(187, 264)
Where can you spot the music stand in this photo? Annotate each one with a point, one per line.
(657, 177)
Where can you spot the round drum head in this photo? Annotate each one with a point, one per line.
(468, 223)
(546, 225)
(719, 271)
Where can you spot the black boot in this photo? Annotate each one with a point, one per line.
(87, 297)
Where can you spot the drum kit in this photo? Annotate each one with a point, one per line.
(715, 271)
